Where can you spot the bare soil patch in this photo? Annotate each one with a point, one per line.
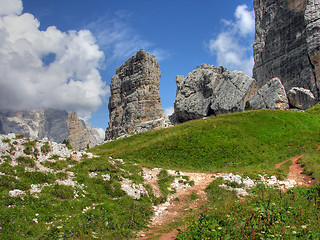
(176, 205)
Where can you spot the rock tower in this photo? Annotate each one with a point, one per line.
(135, 105)
(287, 44)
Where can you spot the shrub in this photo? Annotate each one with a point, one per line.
(45, 148)
(19, 136)
(248, 106)
(6, 140)
(30, 148)
(26, 162)
(67, 143)
(164, 183)
(62, 191)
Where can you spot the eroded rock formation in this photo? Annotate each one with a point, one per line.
(80, 135)
(211, 90)
(287, 43)
(135, 98)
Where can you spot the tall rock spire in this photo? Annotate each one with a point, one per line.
(135, 105)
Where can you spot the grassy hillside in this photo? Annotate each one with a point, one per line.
(49, 196)
(248, 140)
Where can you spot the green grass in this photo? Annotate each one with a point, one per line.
(248, 142)
(164, 182)
(59, 164)
(269, 214)
(253, 140)
(93, 208)
(311, 164)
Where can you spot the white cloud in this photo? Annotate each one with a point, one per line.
(245, 20)
(119, 40)
(160, 54)
(9, 7)
(48, 68)
(101, 132)
(232, 47)
(169, 111)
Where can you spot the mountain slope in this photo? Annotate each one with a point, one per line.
(247, 140)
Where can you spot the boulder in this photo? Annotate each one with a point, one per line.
(301, 98)
(287, 43)
(272, 95)
(210, 90)
(135, 97)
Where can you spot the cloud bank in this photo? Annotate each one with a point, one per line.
(47, 68)
(231, 46)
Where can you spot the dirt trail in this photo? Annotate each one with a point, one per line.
(168, 212)
(171, 210)
(296, 172)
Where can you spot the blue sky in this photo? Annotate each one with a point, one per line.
(182, 34)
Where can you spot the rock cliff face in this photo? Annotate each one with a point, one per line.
(49, 123)
(135, 97)
(211, 91)
(80, 135)
(287, 43)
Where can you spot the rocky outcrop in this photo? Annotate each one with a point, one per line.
(44, 123)
(50, 124)
(287, 43)
(301, 98)
(81, 136)
(211, 91)
(135, 97)
(272, 95)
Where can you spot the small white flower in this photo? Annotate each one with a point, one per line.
(35, 220)
(304, 226)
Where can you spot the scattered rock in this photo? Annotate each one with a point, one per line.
(135, 104)
(287, 43)
(16, 193)
(301, 98)
(11, 148)
(133, 190)
(211, 90)
(272, 95)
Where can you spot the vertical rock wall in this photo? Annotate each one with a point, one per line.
(135, 97)
(287, 43)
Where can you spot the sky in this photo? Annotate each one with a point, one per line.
(63, 53)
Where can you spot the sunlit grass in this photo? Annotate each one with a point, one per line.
(253, 140)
